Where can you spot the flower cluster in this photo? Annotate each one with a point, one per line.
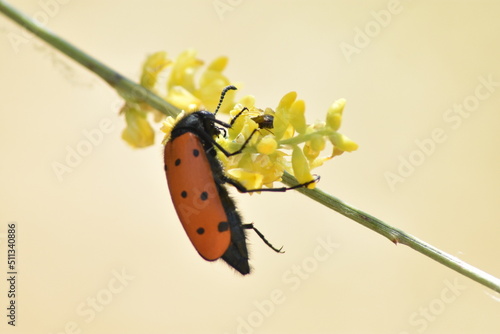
(175, 81)
(281, 139)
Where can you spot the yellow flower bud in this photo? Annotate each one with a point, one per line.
(218, 64)
(267, 145)
(212, 82)
(183, 99)
(334, 114)
(301, 168)
(153, 65)
(309, 152)
(249, 180)
(318, 143)
(183, 71)
(343, 143)
(297, 117)
(281, 117)
(246, 131)
(138, 132)
(209, 92)
(313, 147)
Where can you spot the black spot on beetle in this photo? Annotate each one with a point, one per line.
(204, 196)
(223, 226)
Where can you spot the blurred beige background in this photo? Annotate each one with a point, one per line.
(102, 251)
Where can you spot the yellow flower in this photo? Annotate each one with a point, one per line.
(152, 67)
(249, 180)
(301, 169)
(256, 171)
(184, 70)
(168, 125)
(282, 127)
(334, 114)
(183, 89)
(343, 143)
(267, 145)
(281, 139)
(297, 116)
(286, 142)
(183, 99)
(138, 132)
(212, 82)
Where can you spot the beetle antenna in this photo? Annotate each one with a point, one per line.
(224, 91)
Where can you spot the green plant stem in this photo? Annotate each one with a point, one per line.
(396, 235)
(124, 86)
(296, 140)
(132, 91)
